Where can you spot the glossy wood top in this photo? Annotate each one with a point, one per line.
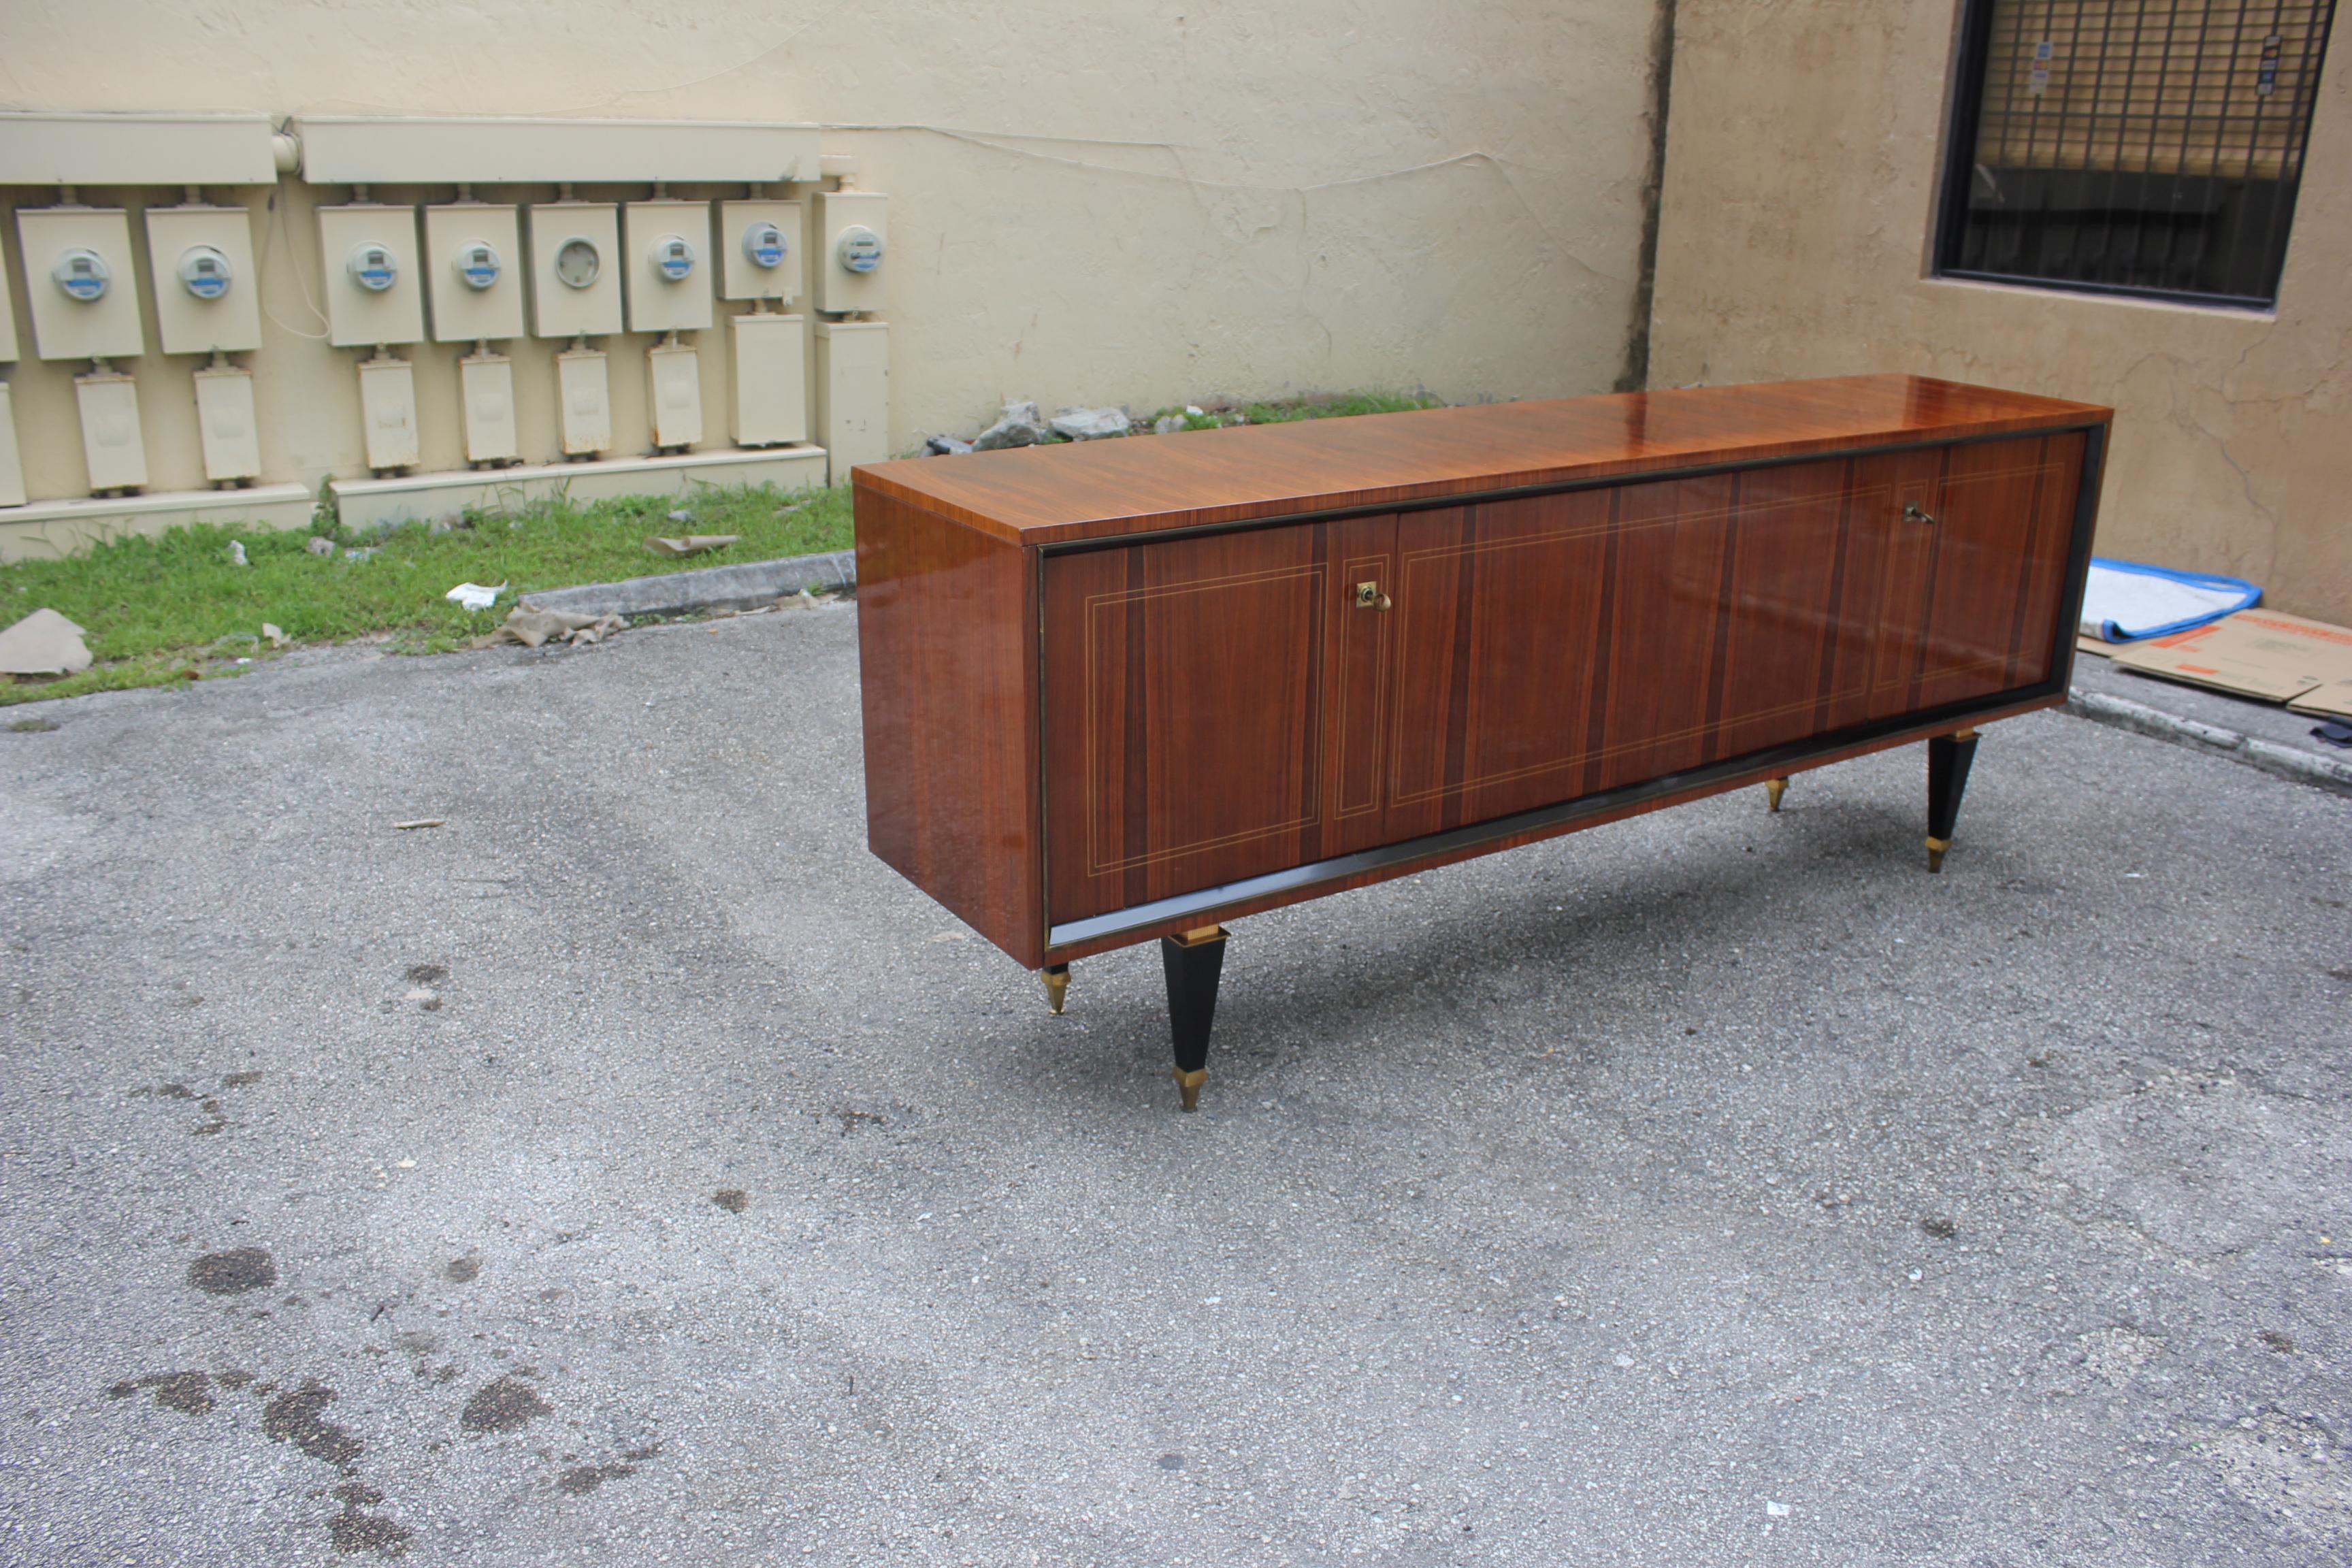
(1062, 494)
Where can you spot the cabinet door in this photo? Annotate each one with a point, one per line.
(1554, 646)
(1211, 709)
(1971, 596)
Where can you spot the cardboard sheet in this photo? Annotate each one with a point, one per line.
(2334, 700)
(2255, 653)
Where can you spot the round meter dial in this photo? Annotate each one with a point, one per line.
(674, 258)
(577, 262)
(859, 248)
(371, 266)
(477, 264)
(83, 274)
(204, 272)
(763, 246)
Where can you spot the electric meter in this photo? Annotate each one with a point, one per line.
(83, 274)
(763, 245)
(477, 264)
(859, 248)
(577, 263)
(371, 266)
(203, 271)
(674, 258)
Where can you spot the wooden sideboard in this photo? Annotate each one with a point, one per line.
(1132, 690)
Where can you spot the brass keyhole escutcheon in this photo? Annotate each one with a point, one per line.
(1913, 513)
(1369, 597)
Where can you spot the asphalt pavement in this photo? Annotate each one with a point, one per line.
(633, 1170)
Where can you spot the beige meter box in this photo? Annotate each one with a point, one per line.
(473, 271)
(388, 412)
(8, 322)
(849, 269)
(586, 393)
(12, 466)
(667, 245)
(760, 250)
(84, 295)
(374, 297)
(770, 379)
(486, 386)
(677, 377)
(111, 440)
(853, 389)
(200, 262)
(575, 269)
(224, 419)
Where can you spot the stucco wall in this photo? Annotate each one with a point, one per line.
(1800, 181)
(1089, 203)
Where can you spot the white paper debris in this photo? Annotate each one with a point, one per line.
(474, 597)
(237, 553)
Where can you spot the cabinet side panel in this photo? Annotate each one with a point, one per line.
(947, 621)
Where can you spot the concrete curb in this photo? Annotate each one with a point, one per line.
(746, 587)
(2286, 761)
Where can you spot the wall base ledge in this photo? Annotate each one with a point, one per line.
(45, 530)
(366, 504)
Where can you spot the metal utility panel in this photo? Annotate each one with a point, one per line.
(585, 389)
(850, 268)
(667, 245)
(473, 271)
(7, 321)
(12, 466)
(199, 261)
(760, 250)
(84, 294)
(388, 410)
(224, 419)
(111, 440)
(677, 376)
(400, 150)
(770, 379)
(137, 149)
(853, 386)
(486, 386)
(575, 269)
(370, 257)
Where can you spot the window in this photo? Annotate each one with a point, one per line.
(2148, 147)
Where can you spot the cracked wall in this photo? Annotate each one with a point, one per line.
(1088, 205)
(1799, 199)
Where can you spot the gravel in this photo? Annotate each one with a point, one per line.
(1711, 1187)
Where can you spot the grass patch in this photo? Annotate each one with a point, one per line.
(176, 607)
(1223, 411)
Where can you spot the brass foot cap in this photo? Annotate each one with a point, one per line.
(1773, 790)
(1189, 1085)
(1936, 847)
(1057, 987)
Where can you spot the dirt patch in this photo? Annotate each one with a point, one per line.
(503, 1406)
(462, 1270)
(352, 1530)
(582, 1479)
(232, 1272)
(734, 1200)
(298, 1418)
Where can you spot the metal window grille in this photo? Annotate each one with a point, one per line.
(2131, 146)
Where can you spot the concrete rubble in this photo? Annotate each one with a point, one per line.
(1020, 426)
(1091, 424)
(43, 643)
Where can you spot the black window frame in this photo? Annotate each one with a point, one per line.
(1963, 121)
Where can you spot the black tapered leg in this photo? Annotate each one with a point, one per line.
(1948, 757)
(1193, 962)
